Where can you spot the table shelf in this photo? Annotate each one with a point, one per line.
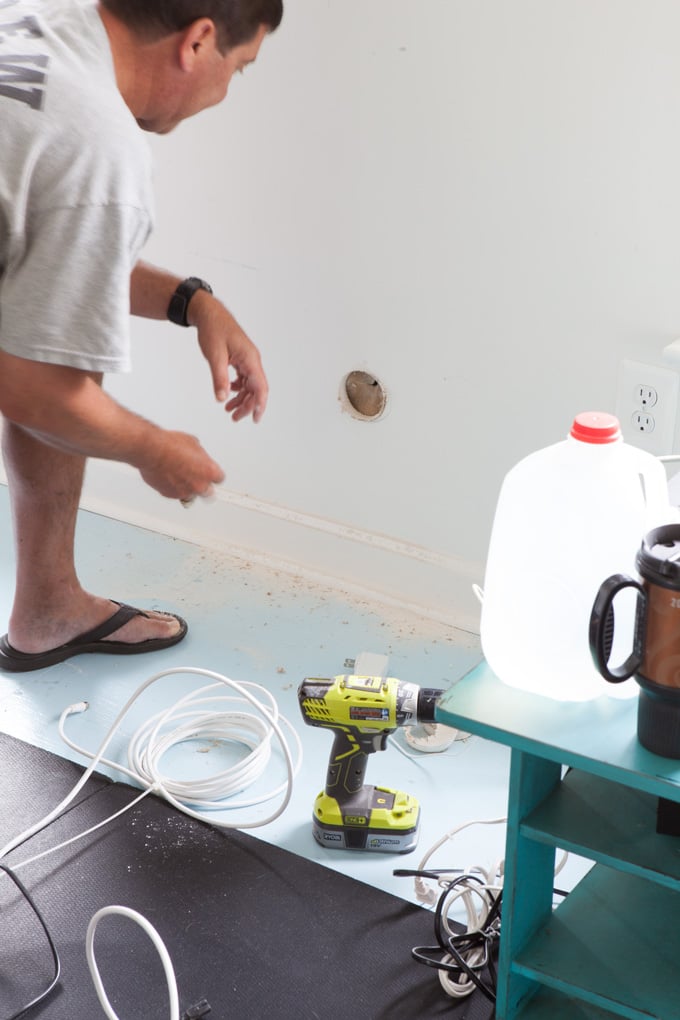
(547, 1004)
(611, 948)
(608, 823)
(614, 943)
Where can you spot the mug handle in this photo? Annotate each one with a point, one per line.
(601, 630)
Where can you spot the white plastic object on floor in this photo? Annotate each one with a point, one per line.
(430, 738)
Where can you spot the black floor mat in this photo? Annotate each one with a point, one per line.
(257, 931)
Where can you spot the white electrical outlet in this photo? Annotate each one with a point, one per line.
(646, 395)
(647, 406)
(643, 422)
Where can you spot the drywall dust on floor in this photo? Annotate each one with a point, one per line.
(221, 578)
(249, 622)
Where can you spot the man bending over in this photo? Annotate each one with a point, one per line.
(79, 86)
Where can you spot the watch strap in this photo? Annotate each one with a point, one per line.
(179, 302)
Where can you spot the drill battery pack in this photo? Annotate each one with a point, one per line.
(375, 818)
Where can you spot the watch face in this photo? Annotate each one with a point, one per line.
(194, 283)
(177, 310)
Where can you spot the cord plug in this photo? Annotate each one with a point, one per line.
(80, 706)
(201, 1009)
(424, 894)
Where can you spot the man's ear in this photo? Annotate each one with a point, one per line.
(195, 41)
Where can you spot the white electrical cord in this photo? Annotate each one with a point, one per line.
(192, 721)
(81, 835)
(477, 895)
(145, 759)
(187, 720)
(424, 892)
(428, 740)
(158, 943)
(478, 900)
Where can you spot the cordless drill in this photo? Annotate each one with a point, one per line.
(362, 711)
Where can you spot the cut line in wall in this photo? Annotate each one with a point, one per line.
(336, 528)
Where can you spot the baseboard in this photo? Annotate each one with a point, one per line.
(365, 564)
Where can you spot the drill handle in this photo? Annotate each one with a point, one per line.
(347, 764)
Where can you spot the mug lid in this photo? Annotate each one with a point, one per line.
(659, 555)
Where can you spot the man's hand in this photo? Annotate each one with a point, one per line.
(68, 409)
(177, 466)
(225, 346)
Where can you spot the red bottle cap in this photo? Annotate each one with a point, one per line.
(596, 427)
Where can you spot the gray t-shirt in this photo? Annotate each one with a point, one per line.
(75, 189)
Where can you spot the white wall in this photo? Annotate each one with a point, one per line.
(478, 201)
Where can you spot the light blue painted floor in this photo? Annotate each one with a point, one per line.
(252, 624)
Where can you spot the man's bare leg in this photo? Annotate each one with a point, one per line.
(50, 606)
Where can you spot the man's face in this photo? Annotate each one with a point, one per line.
(205, 85)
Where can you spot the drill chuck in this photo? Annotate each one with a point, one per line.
(427, 699)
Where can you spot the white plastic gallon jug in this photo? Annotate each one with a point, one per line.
(567, 517)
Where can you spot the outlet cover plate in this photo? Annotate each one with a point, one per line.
(634, 378)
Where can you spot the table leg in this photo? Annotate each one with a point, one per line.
(529, 877)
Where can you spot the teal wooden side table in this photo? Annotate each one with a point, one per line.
(612, 947)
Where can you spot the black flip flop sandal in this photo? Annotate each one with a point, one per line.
(14, 661)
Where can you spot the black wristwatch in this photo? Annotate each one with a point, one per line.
(179, 302)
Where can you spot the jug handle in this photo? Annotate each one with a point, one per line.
(600, 635)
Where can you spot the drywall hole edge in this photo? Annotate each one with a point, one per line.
(363, 396)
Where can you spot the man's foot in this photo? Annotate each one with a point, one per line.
(126, 631)
(67, 613)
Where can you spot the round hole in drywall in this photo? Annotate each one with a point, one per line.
(363, 395)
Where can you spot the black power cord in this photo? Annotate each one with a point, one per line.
(459, 949)
(469, 943)
(468, 953)
(196, 1012)
(53, 949)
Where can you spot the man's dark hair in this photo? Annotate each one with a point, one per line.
(237, 21)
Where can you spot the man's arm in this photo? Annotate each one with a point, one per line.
(221, 339)
(68, 409)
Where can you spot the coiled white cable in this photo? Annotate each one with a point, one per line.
(189, 719)
(146, 749)
(150, 743)
(269, 713)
